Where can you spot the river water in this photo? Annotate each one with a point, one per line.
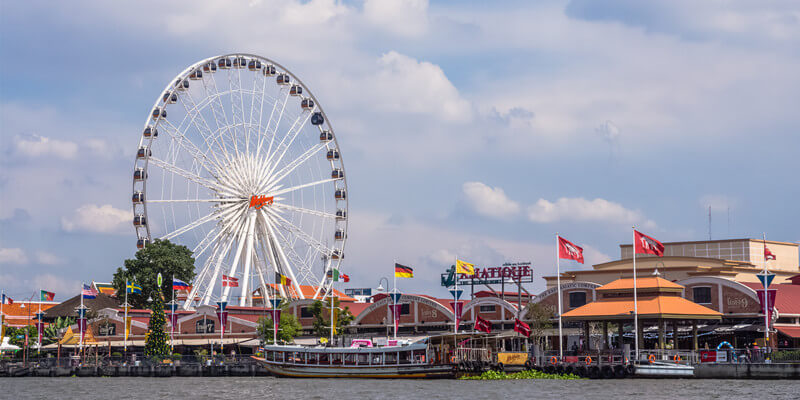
(334, 389)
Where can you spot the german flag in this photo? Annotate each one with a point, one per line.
(282, 279)
(402, 271)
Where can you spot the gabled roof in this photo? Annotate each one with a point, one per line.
(649, 282)
(661, 306)
(105, 288)
(787, 299)
(67, 307)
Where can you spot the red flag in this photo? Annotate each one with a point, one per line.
(569, 251)
(646, 245)
(346, 278)
(768, 254)
(483, 325)
(521, 327)
(230, 281)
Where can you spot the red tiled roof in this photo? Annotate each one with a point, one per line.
(787, 300)
(22, 313)
(791, 331)
(356, 308)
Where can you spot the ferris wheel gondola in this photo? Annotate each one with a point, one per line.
(248, 174)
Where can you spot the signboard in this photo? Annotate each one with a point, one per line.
(722, 356)
(520, 272)
(708, 356)
(512, 358)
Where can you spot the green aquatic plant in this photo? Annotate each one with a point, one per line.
(530, 374)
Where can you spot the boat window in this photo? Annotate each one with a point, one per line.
(376, 358)
(324, 358)
(337, 358)
(405, 357)
(391, 358)
(363, 359)
(350, 359)
(269, 356)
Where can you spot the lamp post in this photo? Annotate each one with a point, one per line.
(380, 289)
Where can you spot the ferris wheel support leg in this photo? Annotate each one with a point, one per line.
(268, 250)
(322, 281)
(235, 265)
(248, 258)
(284, 260)
(217, 266)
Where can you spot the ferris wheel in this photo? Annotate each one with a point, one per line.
(238, 162)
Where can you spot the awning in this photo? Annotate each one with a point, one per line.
(791, 331)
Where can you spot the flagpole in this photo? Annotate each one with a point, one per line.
(172, 318)
(331, 294)
(558, 286)
(395, 318)
(80, 323)
(635, 299)
(766, 294)
(38, 328)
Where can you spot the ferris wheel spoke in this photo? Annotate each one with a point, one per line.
(224, 115)
(304, 210)
(181, 139)
(298, 187)
(188, 227)
(282, 255)
(225, 200)
(292, 135)
(269, 250)
(285, 171)
(194, 113)
(208, 184)
(303, 263)
(299, 233)
(217, 266)
(324, 277)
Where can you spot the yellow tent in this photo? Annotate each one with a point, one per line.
(72, 339)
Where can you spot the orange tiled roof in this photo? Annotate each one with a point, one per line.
(649, 282)
(22, 313)
(309, 292)
(648, 307)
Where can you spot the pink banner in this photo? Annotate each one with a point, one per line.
(223, 319)
(82, 327)
(40, 331)
(457, 308)
(772, 293)
(396, 310)
(276, 319)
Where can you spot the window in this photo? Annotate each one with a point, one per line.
(107, 329)
(577, 299)
(405, 309)
(487, 309)
(305, 312)
(701, 295)
(204, 326)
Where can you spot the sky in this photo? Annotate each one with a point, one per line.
(475, 130)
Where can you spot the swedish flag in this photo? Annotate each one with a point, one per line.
(133, 288)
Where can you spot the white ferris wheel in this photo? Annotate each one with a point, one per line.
(239, 162)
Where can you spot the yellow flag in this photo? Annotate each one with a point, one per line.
(465, 268)
(127, 327)
(2, 326)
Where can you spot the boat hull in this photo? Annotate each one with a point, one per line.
(663, 370)
(418, 371)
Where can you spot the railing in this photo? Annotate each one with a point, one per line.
(472, 354)
(130, 360)
(725, 355)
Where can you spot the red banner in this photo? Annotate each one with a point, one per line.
(646, 245)
(569, 251)
(772, 293)
(276, 319)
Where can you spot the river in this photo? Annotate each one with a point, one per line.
(274, 388)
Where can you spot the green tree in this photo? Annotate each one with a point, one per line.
(160, 256)
(539, 318)
(288, 327)
(156, 346)
(322, 311)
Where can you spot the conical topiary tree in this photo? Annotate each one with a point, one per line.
(156, 346)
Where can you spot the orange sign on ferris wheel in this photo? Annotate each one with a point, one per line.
(260, 201)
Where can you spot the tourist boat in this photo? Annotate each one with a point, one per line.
(360, 360)
(662, 369)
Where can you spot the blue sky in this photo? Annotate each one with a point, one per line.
(467, 129)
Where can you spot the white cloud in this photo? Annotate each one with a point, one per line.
(100, 219)
(401, 17)
(408, 85)
(488, 201)
(36, 146)
(580, 209)
(60, 285)
(43, 257)
(13, 256)
(442, 256)
(312, 12)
